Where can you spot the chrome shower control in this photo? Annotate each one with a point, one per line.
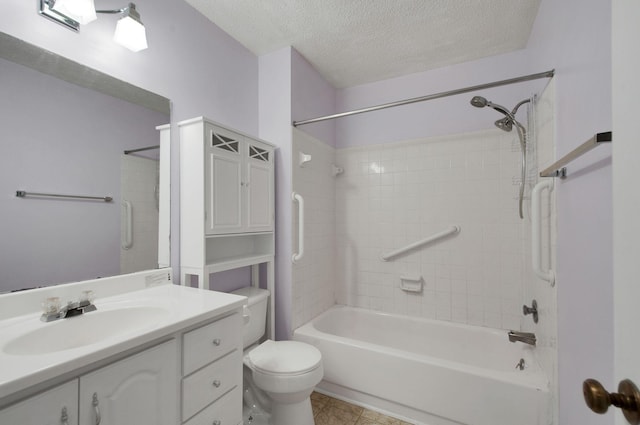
(533, 310)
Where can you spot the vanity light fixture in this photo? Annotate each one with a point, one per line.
(130, 31)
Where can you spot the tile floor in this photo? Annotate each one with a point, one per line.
(330, 411)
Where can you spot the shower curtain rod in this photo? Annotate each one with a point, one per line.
(546, 74)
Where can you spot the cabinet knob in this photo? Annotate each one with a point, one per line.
(217, 422)
(627, 398)
(217, 383)
(217, 342)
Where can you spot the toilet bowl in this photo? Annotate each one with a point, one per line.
(285, 371)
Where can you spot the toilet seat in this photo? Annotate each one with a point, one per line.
(284, 358)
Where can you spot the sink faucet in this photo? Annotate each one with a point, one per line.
(53, 311)
(526, 337)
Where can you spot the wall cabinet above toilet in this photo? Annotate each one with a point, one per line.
(238, 183)
(227, 195)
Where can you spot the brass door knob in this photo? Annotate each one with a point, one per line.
(627, 398)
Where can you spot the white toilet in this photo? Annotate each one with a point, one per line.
(286, 371)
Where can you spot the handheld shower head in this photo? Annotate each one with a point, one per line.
(506, 124)
(479, 101)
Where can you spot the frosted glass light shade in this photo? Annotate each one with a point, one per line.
(131, 34)
(82, 11)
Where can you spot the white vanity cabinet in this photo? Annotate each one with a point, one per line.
(141, 389)
(212, 369)
(57, 406)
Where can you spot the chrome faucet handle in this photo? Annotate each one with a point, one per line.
(533, 310)
(51, 305)
(52, 309)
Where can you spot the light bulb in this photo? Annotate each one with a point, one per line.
(82, 11)
(131, 34)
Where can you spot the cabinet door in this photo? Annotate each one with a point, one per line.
(141, 390)
(58, 406)
(259, 201)
(224, 181)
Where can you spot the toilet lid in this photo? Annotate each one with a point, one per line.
(285, 357)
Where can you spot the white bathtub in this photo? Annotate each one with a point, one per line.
(428, 371)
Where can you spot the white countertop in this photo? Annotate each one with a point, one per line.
(185, 306)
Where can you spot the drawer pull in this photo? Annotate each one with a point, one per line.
(96, 408)
(217, 342)
(217, 383)
(64, 418)
(217, 422)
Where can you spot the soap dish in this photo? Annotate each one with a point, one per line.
(411, 283)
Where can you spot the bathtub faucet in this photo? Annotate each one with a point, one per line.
(526, 337)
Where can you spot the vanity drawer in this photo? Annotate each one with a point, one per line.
(226, 411)
(210, 342)
(211, 382)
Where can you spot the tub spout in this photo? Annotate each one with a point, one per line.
(526, 337)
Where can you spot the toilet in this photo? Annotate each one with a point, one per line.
(279, 376)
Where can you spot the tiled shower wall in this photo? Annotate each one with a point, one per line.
(139, 185)
(394, 194)
(314, 274)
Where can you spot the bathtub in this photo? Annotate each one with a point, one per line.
(428, 371)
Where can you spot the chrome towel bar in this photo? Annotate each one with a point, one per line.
(558, 169)
(24, 194)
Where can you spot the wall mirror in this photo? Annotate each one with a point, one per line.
(65, 129)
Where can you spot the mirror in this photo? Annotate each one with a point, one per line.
(64, 130)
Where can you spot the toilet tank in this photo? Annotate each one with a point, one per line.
(257, 302)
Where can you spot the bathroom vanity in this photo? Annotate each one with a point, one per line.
(152, 353)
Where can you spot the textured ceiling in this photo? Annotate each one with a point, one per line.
(352, 42)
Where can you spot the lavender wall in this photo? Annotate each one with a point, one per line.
(574, 38)
(190, 61)
(312, 96)
(54, 241)
(275, 126)
(290, 89)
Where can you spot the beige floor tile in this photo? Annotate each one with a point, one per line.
(332, 415)
(346, 407)
(330, 411)
(318, 402)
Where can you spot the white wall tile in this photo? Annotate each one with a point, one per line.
(417, 188)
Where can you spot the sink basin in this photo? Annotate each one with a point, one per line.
(86, 329)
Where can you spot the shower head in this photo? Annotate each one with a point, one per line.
(479, 101)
